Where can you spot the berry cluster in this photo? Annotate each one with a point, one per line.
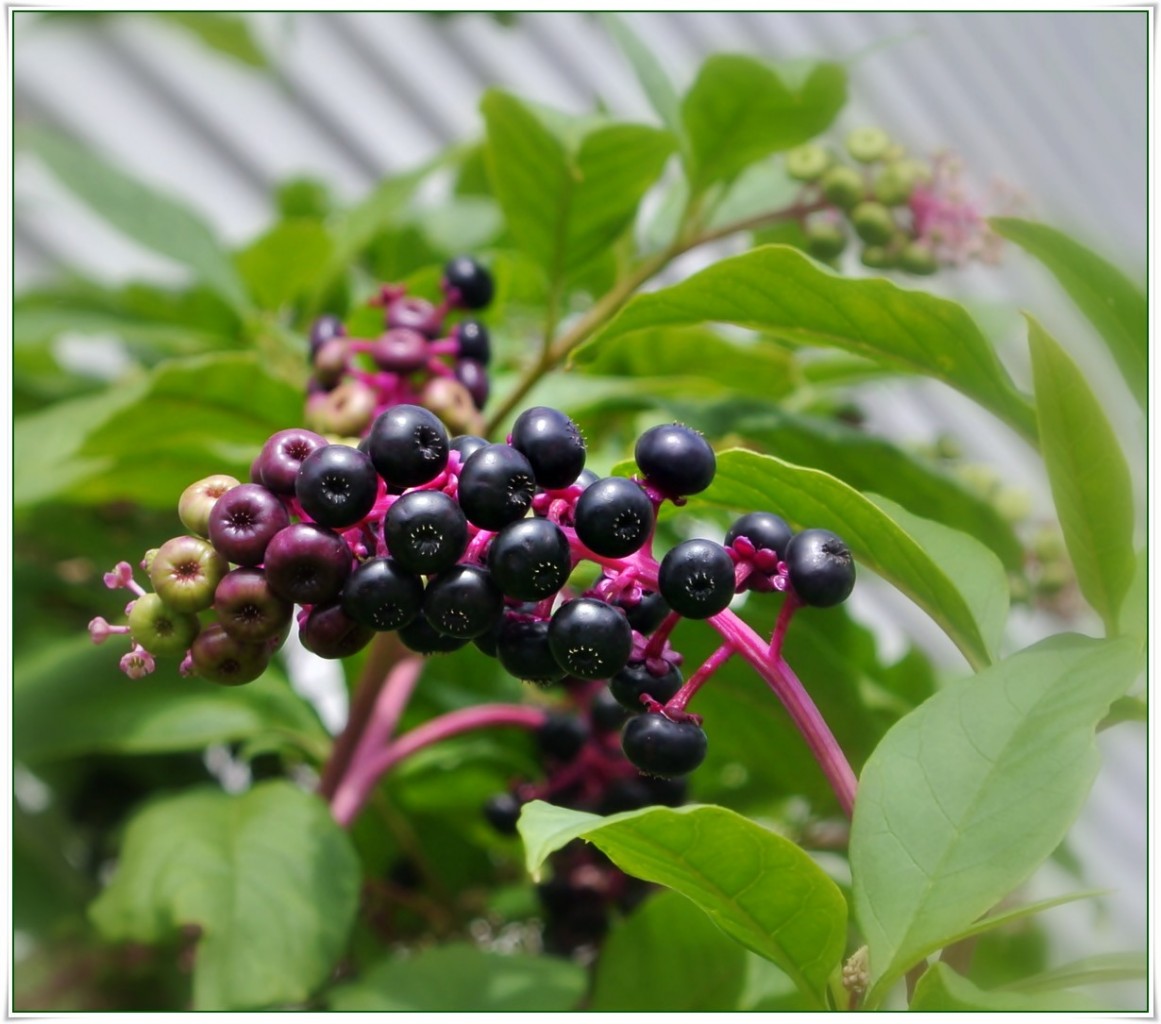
(909, 214)
(354, 380)
(453, 540)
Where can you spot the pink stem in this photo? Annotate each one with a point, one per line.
(789, 607)
(656, 642)
(365, 772)
(389, 707)
(681, 699)
(788, 689)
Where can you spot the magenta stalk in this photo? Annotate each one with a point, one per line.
(365, 772)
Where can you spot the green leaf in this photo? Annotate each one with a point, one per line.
(157, 221)
(650, 74)
(967, 795)
(227, 33)
(285, 262)
(778, 290)
(150, 438)
(1100, 969)
(740, 110)
(1115, 306)
(941, 990)
(951, 576)
(568, 188)
(865, 462)
(461, 978)
(1090, 479)
(70, 698)
(668, 956)
(758, 887)
(268, 877)
(760, 370)
(1134, 619)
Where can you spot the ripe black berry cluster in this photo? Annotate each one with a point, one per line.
(417, 359)
(909, 215)
(455, 540)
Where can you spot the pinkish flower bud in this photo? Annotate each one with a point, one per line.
(137, 663)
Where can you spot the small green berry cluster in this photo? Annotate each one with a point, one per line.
(908, 214)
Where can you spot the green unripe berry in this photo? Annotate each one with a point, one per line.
(193, 508)
(843, 186)
(873, 222)
(868, 144)
(917, 258)
(825, 241)
(185, 572)
(877, 257)
(1012, 503)
(893, 185)
(160, 629)
(807, 163)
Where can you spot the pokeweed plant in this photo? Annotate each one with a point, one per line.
(412, 465)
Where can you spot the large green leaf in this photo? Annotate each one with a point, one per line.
(950, 575)
(668, 956)
(155, 220)
(1100, 969)
(777, 289)
(568, 188)
(461, 978)
(740, 109)
(151, 437)
(865, 462)
(285, 262)
(268, 877)
(967, 795)
(70, 698)
(1090, 479)
(650, 74)
(1116, 307)
(941, 990)
(758, 887)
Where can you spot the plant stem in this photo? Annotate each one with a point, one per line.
(789, 607)
(367, 770)
(680, 700)
(386, 649)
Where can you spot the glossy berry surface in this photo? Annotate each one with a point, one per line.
(658, 746)
(474, 377)
(307, 564)
(382, 595)
(475, 342)
(185, 571)
(198, 499)
(635, 679)
(331, 633)
(463, 602)
(648, 613)
(552, 444)
(220, 658)
(467, 445)
(324, 329)
(696, 578)
(522, 648)
(676, 459)
(248, 609)
(606, 713)
(590, 639)
(613, 517)
(469, 278)
(496, 487)
(425, 531)
(502, 812)
(337, 485)
(282, 456)
(530, 559)
(421, 636)
(244, 520)
(822, 571)
(160, 629)
(763, 530)
(408, 445)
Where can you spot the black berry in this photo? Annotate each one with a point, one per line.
(307, 564)
(470, 280)
(676, 459)
(474, 377)
(552, 444)
(606, 713)
(408, 445)
(590, 639)
(635, 679)
(496, 486)
(530, 559)
(522, 648)
(696, 578)
(463, 602)
(336, 485)
(613, 517)
(382, 595)
(659, 746)
(421, 636)
(822, 571)
(502, 812)
(763, 530)
(323, 329)
(425, 531)
(474, 340)
(562, 736)
(648, 613)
